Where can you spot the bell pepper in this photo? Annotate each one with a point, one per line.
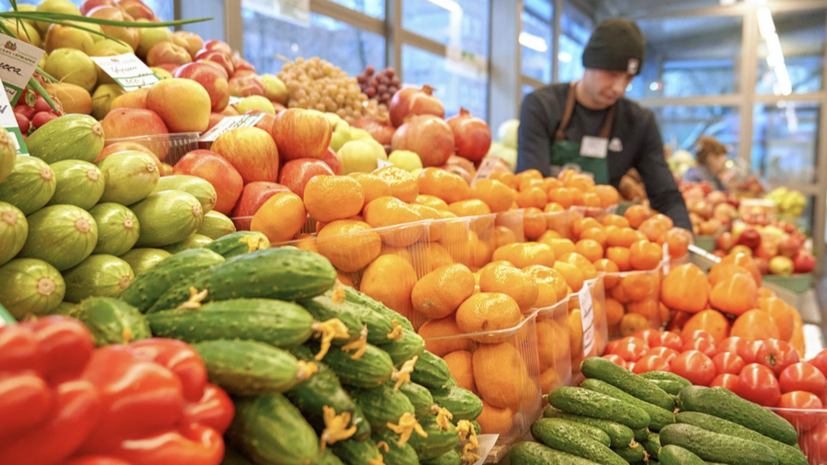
(96, 460)
(215, 409)
(180, 359)
(186, 445)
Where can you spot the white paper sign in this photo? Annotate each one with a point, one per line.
(587, 315)
(486, 168)
(487, 443)
(382, 164)
(234, 100)
(228, 124)
(18, 61)
(8, 121)
(128, 71)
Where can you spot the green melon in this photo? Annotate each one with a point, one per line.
(30, 185)
(118, 228)
(13, 231)
(130, 177)
(61, 235)
(97, 276)
(167, 217)
(70, 137)
(196, 241)
(141, 260)
(79, 183)
(8, 154)
(30, 287)
(216, 225)
(200, 188)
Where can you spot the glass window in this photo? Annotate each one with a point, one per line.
(784, 142)
(535, 45)
(459, 23)
(455, 85)
(374, 8)
(577, 28)
(265, 37)
(525, 90)
(543, 9)
(791, 52)
(680, 126)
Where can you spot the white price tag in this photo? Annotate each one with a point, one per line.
(234, 100)
(228, 124)
(18, 61)
(486, 168)
(382, 164)
(587, 315)
(8, 121)
(127, 70)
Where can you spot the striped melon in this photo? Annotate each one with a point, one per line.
(97, 276)
(30, 287)
(70, 137)
(130, 177)
(200, 188)
(61, 235)
(8, 154)
(13, 231)
(196, 241)
(30, 185)
(216, 225)
(79, 183)
(167, 217)
(141, 260)
(118, 228)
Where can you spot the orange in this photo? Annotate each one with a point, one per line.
(637, 214)
(576, 197)
(654, 227)
(637, 286)
(437, 255)
(619, 294)
(607, 266)
(530, 174)
(437, 336)
(440, 292)
(551, 183)
(390, 211)
(504, 235)
(553, 208)
(582, 224)
(573, 276)
(440, 183)
(534, 224)
(575, 331)
(533, 196)
(330, 198)
(525, 183)
(631, 323)
(621, 237)
(306, 242)
(581, 182)
(614, 311)
(546, 276)
(431, 201)
(755, 325)
(551, 343)
(711, 321)
(373, 186)
(488, 311)
(471, 207)
(429, 213)
(645, 255)
(531, 253)
(589, 248)
(506, 178)
(390, 279)
(596, 234)
(481, 253)
(280, 218)
(782, 313)
(499, 372)
(508, 280)
(615, 220)
(461, 365)
(548, 236)
(550, 380)
(562, 196)
(582, 263)
(646, 307)
(608, 195)
(561, 246)
(344, 279)
(349, 245)
(495, 420)
(402, 183)
(495, 194)
(591, 199)
(502, 252)
(619, 255)
(398, 251)
(677, 241)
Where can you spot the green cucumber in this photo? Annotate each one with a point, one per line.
(239, 243)
(323, 308)
(592, 404)
(534, 453)
(652, 445)
(234, 457)
(722, 403)
(327, 458)
(269, 429)
(674, 455)
(249, 368)
(379, 324)
(356, 297)
(634, 454)
(715, 447)
(668, 385)
(659, 417)
(322, 389)
(620, 435)
(568, 437)
(787, 455)
(112, 321)
(462, 403)
(420, 398)
(372, 369)
(353, 452)
(641, 434)
(410, 345)
(393, 454)
(610, 372)
(147, 287)
(382, 405)
(452, 457)
(431, 371)
(665, 376)
(438, 442)
(363, 427)
(281, 324)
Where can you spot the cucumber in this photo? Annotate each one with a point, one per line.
(379, 324)
(410, 345)
(112, 321)
(321, 389)
(323, 308)
(239, 243)
(356, 297)
(327, 458)
(147, 287)
(620, 435)
(268, 429)
(787, 455)
(722, 403)
(363, 427)
(533, 453)
(658, 416)
(665, 376)
(462, 403)
(641, 435)
(477, 427)
(609, 372)
(634, 454)
(568, 437)
(234, 457)
(248, 368)
(281, 324)
(420, 398)
(668, 385)
(452, 457)
(715, 447)
(431, 371)
(353, 452)
(652, 445)
(592, 404)
(382, 405)
(674, 455)
(372, 369)
(438, 442)
(393, 454)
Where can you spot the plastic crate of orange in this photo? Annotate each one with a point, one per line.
(633, 301)
(588, 328)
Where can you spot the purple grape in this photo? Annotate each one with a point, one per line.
(371, 92)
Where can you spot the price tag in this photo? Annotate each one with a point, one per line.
(587, 314)
(381, 164)
(8, 121)
(228, 124)
(128, 71)
(18, 61)
(486, 168)
(234, 100)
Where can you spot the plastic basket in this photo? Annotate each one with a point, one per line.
(509, 227)
(798, 283)
(169, 148)
(553, 348)
(470, 241)
(631, 295)
(588, 336)
(811, 426)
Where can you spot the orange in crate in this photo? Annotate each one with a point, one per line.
(495, 420)
(632, 322)
(488, 311)
(561, 246)
(615, 220)
(439, 293)
(472, 207)
(306, 242)
(637, 214)
(527, 174)
(621, 237)
(430, 213)
(500, 373)
(582, 263)
(609, 196)
(575, 331)
(637, 286)
(677, 240)
(645, 255)
(534, 223)
(581, 224)
(461, 365)
(390, 211)
(373, 186)
(533, 196)
(526, 183)
(506, 279)
(501, 252)
(390, 279)
(562, 196)
(573, 276)
(654, 227)
(495, 194)
(440, 183)
(551, 344)
(596, 234)
(444, 327)
(590, 248)
(550, 380)
(349, 245)
(607, 266)
(437, 255)
(551, 183)
(619, 294)
(330, 198)
(403, 184)
(531, 253)
(546, 276)
(755, 325)
(280, 218)
(592, 200)
(614, 311)
(620, 257)
(431, 201)
(503, 236)
(648, 308)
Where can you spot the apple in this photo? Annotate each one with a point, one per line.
(720, 253)
(763, 264)
(749, 237)
(725, 213)
(296, 173)
(211, 79)
(740, 248)
(244, 72)
(333, 161)
(428, 136)
(219, 172)
(245, 86)
(790, 245)
(130, 122)
(716, 197)
(131, 36)
(164, 53)
(193, 41)
(219, 57)
(101, 100)
(162, 73)
(302, 134)
(768, 248)
(183, 104)
(240, 64)
(358, 156)
(276, 89)
(218, 45)
(60, 36)
(381, 131)
(341, 131)
(266, 122)
(252, 198)
(137, 9)
(251, 151)
(725, 241)
(230, 111)
(405, 159)
(804, 262)
(782, 266)
(170, 68)
(90, 5)
(255, 102)
(359, 134)
(150, 37)
(125, 146)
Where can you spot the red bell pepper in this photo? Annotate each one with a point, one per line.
(185, 445)
(215, 409)
(96, 460)
(180, 359)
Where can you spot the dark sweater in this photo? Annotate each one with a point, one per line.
(634, 126)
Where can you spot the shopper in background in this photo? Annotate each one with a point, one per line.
(589, 124)
(711, 155)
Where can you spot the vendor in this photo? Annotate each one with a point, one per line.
(711, 169)
(588, 123)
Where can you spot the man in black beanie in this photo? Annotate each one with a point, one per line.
(590, 124)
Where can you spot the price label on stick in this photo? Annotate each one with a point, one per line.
(18, 61)
(228, 124)
(8, 121)
(486, 168)
(587, 315)
(128, 71)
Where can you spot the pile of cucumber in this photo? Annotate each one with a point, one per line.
(616, 418)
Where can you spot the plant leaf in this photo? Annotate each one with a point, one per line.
(49, 16)
(40, 90)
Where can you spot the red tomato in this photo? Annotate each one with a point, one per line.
(665, 352)
(727, 362)
(703, 346)
(651, 336)
(777, 355)
(630, 351)
(800, 400)
(726, 381)
(802, 377)
(697, 334)
(750, 353)
(670, 340)
(820, 362)
(695, 367)
(757, 383)
(617, 359)
(651, 363)
(736, 345)
(814, 442)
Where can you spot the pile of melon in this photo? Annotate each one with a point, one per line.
(78, 221)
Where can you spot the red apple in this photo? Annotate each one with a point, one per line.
(804, 262)
(302, 134)
(763, 265)
(215, 118)
(240, 64)
(169, 67)
(381, 131)
(333, 161)
(767, 249)
(428, 136)
(243, 73)
(193, 41)
(245, 86)
(167, 53)
(211, 79)
(218, 45)
(413, 101)
(725, 212)
(725, 241)
(137, 9)
(716, 197)
(222, 58)
(230, 111)
(131, 122)
(252, 198)
(790, 244)
(219, 172)
(471, 135)
(90, 5)
(133, 99)
(217, 66)
(296, 173)
(749, 237)
(251, 151)
(131, 36)
(266, 122)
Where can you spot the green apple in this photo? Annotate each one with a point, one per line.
(405, 159)
(276, 89)
(359, 134)
(341, 135)
(255, 102)
(102, 99)
(378, 149)
(358, 157)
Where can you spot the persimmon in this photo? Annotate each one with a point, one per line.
(712, 322)
(735, 294)
(755, 325)
(685, 288)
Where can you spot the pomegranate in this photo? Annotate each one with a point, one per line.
(428, 136)
(471, 134)
(381, 131)
(413, 101)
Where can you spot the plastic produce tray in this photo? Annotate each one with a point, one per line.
(581, 329)
(625, 290)
(553, 347)
(169, 148)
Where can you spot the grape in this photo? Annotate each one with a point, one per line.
(370, 70)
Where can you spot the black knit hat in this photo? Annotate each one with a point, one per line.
(616, 45)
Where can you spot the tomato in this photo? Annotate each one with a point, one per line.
(665, 352)
(630, 351)
(802, 377)
(757, 383)
(800, 400)
(777, 355)
(695, 367)
(736, 345)
(617, 359)
(727, 362)
(726, 381)
(697, 334)
(670, 340)
(703, 346)
(820, 362)
(651, 336)
(814, 442)
(651, 363)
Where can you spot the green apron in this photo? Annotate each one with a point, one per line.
(565, 152)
